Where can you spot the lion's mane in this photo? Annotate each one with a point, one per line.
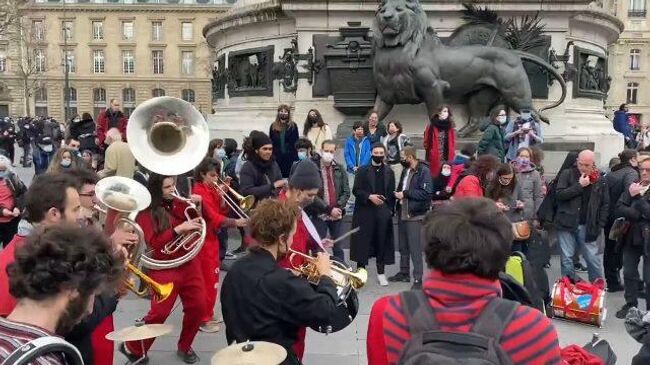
(415, 30)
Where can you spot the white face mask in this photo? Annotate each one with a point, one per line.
(443, 115)
(445, 172)
(502, 119)
(328, 157)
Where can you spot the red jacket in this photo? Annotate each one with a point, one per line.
(157, 240)
(457, 301)
(211, 209)
(7, 301)
(431, 148)
(469, 187)
(103, 126)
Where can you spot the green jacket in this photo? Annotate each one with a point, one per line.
(492, 142)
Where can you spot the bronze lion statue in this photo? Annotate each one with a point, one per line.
(412, 65)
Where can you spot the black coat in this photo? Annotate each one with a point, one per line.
(569, 199)
(261, 301)
(376, 236)
(256, 180)
(618, 181)
(7, 135)
(636, 210)
(284, 149)
(418, 195)
(84, 132)
(80, 336)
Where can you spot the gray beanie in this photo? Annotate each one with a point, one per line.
(306, 176)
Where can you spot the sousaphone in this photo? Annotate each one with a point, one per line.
(168, 136)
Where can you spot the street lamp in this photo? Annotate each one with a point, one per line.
(66, 74)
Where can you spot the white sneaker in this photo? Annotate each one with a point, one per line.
(210, 327)
(382, 280)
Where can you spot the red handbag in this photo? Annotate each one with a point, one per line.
(580, 302)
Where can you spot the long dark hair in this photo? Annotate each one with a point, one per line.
(277, 124)
(482, 167)
(158, 212)
(435, 117)
(206, 165)
(497, 190)
(308, 125)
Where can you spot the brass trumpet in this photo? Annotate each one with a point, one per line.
(127, 197)
(161, 291)
(342, 275)
(239, 204)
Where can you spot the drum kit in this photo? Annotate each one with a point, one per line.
(248, 353)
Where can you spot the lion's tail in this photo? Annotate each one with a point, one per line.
(540, 62)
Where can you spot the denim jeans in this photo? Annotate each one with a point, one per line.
(570, 241)
(334, 228)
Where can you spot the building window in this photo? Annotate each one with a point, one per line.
(98, 61)
(157, 92)
(67, 29)
(187, 63)
(72, 102)
(158, 62)
(128, 100)
(40, 62)
(186, 31)
(127, 30)
(38, 30)
(156, 31)
(69, 61)
(637, 8)
(99, 101)
(188, 95)
(635, 59)
(128, 62)
(40, 102)
(632, 92)
(3, 62)
(98, 31)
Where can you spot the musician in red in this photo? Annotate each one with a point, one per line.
(162, 223)
(304, 184)
(214, 210)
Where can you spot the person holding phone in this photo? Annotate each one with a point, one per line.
(524, 131)
(374, 187)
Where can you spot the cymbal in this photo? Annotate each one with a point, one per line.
(137, 333)
(250, 353)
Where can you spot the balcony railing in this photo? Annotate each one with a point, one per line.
(636, 13)
(175, 2)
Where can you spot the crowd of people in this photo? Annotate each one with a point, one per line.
(453, 210)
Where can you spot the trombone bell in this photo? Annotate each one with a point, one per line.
(161, 291)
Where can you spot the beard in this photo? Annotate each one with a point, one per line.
(74, 312)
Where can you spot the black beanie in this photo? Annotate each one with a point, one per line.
(259, 139)
(306, 176)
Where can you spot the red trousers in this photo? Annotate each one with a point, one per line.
(103, 348)
(209, 260)
(189, 285)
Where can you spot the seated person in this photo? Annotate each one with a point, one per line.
(467, 244)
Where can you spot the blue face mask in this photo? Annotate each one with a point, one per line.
(302, 155)
(4, 174)
(220, 153)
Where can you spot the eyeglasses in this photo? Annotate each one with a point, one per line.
(644, 170)
(88, 194)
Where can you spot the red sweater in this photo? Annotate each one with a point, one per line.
(300, 241)
(457, 301)
(469, 187)
(102, 127)
(7, 301)
(157, 240)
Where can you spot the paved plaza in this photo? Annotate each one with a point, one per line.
(348, 347)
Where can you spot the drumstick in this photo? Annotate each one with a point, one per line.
(346, 235)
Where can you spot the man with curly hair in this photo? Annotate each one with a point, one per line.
(55, 276)
(262, 301)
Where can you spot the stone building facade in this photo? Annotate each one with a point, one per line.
(131, 50)
(629, 61)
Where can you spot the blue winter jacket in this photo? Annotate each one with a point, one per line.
(621, 124)
(350, 154)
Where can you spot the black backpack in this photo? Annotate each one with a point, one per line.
(431, 345)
